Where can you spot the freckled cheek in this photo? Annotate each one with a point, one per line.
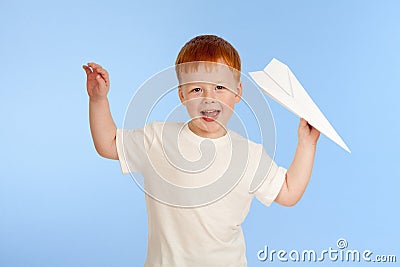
(228, 104)
(192, 109)
(227, 113)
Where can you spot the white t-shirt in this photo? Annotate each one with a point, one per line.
(197, 203)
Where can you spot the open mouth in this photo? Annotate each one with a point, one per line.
(210, 114)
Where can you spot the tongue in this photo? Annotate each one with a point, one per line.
(211, 114)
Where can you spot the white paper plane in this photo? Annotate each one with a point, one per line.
(278, 82)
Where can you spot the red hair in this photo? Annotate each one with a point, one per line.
(209, 48)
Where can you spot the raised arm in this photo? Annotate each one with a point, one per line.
(102, 126)
(299, 172)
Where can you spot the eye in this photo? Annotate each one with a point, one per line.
(196, 90)
(219, 87)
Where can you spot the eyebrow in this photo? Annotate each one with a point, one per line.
(199, 83)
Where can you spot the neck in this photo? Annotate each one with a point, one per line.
(207, 134)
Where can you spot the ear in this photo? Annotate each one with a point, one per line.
(180, 93)
(238, 95)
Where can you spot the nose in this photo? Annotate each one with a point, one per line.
(208, 96)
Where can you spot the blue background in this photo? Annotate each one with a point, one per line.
(63, 205)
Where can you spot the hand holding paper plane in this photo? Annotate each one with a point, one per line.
(277, 81)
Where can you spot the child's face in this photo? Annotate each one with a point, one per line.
(209, 93)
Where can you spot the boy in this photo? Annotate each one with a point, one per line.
(199, 228)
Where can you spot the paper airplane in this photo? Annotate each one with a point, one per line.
(278, 82)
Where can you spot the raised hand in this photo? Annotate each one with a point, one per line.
(299, 172)
(307, 134)
(97, 83)
(102, 125)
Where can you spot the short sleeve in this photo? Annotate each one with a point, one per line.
(132, 147)
(273, 177)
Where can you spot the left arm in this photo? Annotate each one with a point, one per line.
(299, 172)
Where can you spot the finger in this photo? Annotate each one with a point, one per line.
(95, 67)
(104, 74)
(100, 79)
(98, 69)
(87, 69)
(303, 122)
(315, 132)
